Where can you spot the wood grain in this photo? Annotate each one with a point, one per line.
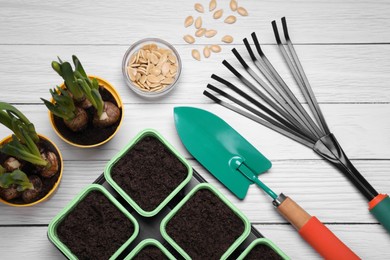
(124, 22)
(338, 73)
(344, 49)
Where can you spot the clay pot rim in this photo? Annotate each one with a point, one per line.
(110, 88)
(55, 187)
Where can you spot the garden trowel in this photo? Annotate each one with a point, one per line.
(236, 164)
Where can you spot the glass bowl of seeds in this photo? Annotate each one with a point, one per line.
(151, 67)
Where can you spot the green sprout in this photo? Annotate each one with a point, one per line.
(91, 91)
(16, 177)
(64, 69)
(13, 119)
(63, 106)
(27, 151)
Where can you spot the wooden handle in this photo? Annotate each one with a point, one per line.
(314, 232)
(292, 212)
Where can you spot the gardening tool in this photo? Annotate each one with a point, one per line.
(294, 122)
(237, 164)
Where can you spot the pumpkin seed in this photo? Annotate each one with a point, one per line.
(189, 39)
(215, 48)
(206, 52)
(230, 19)
(242, 11)
(218, 14)
(212, 5)
(188, 21)
(200, 32)
(152, 68)
(227, 39)
(210, 33)
(199, 8)
(198, 22)
(233, 5)
(195, 54)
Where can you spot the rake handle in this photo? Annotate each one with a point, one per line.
(313, 231)
(380, 208)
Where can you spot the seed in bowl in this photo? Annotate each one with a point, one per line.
(152, 68)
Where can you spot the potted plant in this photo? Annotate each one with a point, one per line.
(30, 164)
(93, 226)
(205, 225)
(148, 172)
(263, 249)
(150, 249)
(85, 111)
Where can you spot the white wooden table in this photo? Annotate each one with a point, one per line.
(343, 46)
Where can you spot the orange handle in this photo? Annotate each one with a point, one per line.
(324, 241)
(314, 232)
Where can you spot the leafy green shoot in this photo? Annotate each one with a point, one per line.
(91, 92)
(63, 105)
(15, 120)
(27, 151)
(16, 177)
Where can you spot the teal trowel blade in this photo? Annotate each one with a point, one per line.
(219, 148)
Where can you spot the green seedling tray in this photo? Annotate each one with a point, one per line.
(148, 242)
(264, 241)
(112, 162)
(229, 251)
(52, 230)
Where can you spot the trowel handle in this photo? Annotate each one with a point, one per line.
(313, 231)
(380, 208)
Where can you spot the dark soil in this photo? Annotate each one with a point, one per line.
(205, 227)
(30, 169)
(95, 228)
(150, 253)
(90, 135)
(263, 252)
(149, 172)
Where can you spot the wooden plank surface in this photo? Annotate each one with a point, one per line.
(338, 73)
(343, 46)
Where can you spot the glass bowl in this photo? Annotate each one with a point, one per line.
(134, 49)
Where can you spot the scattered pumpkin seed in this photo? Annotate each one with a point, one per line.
(195, 54)
(233, 5)
(206, 52)
(188, 21)
(215, 48)
(210, 33)
(218, 14)
(200, 32)
(198, 22)
(242, 11)
(212, 5)
(227, 39)
(189, 39)
(230, 19)
(199, 8)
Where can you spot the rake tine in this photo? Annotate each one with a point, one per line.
(265, 109)
(276, 76)
(261, 95)
(290, 107)
(317, 111)
(258, 120)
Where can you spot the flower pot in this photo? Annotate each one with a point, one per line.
(94, 225)
(50, 185)
(87, 138)
(263, 248)
(205, 225)
(148, 173)
(150, 249)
